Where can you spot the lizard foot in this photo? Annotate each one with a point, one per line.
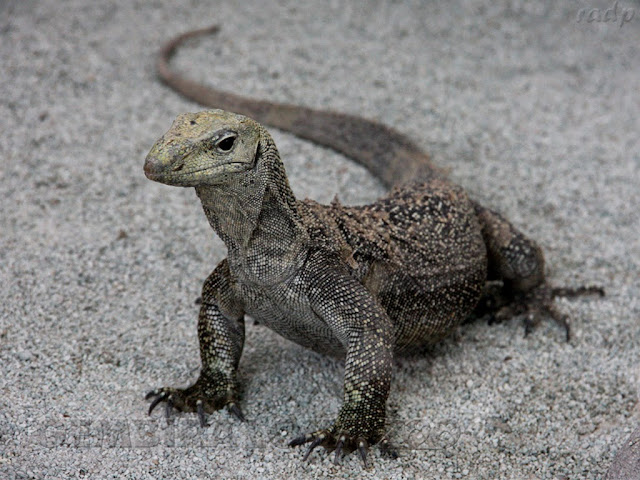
(540, 301)
(199, 397)
(358, 425)
(341, 444)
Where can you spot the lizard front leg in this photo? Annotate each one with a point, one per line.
(366, 331)
(221, 336)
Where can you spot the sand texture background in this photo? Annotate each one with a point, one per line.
(533, 106)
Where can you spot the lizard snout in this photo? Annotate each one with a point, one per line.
(154, 166)
(166, 157)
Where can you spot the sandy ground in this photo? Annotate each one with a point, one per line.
(534, 107)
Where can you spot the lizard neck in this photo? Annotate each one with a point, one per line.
(256, 216)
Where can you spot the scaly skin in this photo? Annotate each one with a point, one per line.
(363, 282)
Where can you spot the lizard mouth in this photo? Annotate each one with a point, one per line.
(177, 175)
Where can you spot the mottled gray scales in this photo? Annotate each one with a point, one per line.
(355, 281)
(362, 282)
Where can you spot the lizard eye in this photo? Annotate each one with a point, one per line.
(226, 144)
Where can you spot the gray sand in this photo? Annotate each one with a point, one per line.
(533, 111)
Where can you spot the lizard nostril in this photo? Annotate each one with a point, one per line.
(178, 167)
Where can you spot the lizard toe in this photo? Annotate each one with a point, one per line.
(534, 305)
(341, 444)
(196, 399)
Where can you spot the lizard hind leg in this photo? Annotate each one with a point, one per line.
(518, 263)
(513, 258)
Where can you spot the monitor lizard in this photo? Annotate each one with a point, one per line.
(361, 282)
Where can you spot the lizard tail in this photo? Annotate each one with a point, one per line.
(386, 153)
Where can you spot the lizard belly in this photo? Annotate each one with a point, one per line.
(286, 310)
(424, 311)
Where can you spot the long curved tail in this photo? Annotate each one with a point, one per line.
(386, 153)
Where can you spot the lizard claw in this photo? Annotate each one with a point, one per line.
(388, 450)
(236, 412)
(340, 446)
(312, 446)
(535, 304)
(159, 397)
(196, 398)
(338, 451)
(314, 439)
(301, 440)
(168, 408)
(570, 292)
(541, 300)
(363, 448)
(201, 414)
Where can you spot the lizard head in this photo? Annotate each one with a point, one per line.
(204, 148)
